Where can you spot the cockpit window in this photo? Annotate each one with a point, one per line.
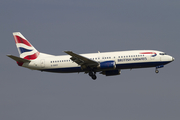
(162, 53)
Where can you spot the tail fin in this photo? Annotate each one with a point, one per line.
(25, 49)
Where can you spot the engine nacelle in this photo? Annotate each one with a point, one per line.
(111, 72)
(107, 65)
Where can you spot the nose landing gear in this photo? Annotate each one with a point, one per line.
(157, 71)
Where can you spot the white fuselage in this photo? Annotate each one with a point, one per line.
(123, 59)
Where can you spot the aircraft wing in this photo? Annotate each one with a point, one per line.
(81, 60)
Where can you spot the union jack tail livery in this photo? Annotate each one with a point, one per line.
(25, 49)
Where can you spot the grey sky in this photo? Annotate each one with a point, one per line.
(86, 27)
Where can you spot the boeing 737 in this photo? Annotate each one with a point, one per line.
(106, 63)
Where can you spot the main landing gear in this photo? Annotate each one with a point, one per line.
(92, 75)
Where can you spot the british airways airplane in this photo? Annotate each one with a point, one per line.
(106, 63)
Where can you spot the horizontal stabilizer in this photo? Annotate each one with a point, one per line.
(18, 59)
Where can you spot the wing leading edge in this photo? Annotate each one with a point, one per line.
(81, 60)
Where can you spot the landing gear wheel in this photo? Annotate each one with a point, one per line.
(94, 77)
(157, 71)
(90, 73)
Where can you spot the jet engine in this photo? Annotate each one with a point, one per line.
(107, 65)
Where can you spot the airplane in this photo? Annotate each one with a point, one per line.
(105, 63)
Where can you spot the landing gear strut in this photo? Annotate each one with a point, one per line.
(92, 75)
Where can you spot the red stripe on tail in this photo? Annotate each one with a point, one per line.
(32, 57)
(21, 40)
(19, 63)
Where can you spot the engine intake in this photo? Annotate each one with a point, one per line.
(107, 65)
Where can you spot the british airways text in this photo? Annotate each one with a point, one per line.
(131, 59)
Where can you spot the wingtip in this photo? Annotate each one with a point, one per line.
(66, 51)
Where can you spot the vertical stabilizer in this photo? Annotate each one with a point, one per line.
(25, 49)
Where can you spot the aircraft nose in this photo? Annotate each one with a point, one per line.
(173, 59)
